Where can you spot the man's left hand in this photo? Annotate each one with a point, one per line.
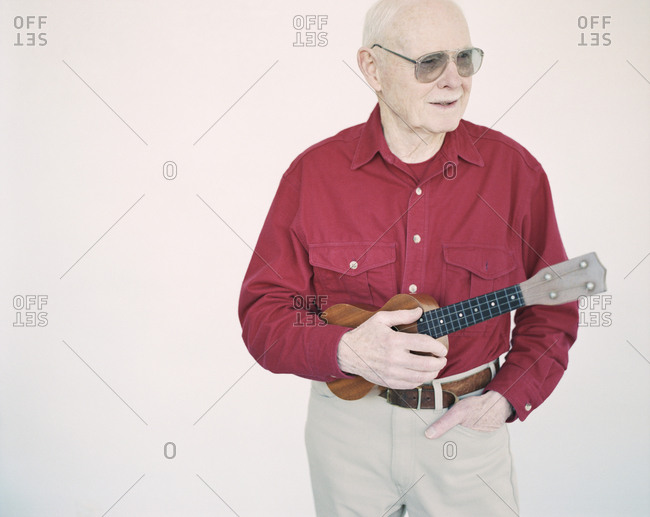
(485, 412)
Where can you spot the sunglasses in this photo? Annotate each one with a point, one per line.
(431, 66)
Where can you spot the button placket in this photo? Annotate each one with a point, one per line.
(415, 251)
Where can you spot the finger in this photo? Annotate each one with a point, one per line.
(424, 363)
(451, 418)
(406, 371)
(401, 317)
(425, 344)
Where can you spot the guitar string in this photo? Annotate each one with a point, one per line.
(501, 297)
(485, 307)
(522, 288)
(557, 276)
(500, 292)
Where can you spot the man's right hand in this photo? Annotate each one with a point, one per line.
(382, 356)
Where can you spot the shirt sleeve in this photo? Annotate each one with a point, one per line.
(542, 334)
(278, 328)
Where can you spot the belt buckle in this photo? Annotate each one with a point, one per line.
(419, 397)
(453, 395)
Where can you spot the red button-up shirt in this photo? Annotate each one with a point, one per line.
(351, 223)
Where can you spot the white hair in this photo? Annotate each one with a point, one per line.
(378, 17)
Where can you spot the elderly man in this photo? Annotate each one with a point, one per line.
(416, 200)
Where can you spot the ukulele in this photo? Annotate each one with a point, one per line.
(553, 285)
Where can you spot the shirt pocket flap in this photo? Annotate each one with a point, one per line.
(351, 259)
(483, 261)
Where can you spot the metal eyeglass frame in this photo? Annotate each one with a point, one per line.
(451, 55)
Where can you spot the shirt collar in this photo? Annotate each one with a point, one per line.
(457, 144)
(462, 145)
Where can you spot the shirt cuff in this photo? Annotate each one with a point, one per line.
(324, 357)
(511, 383)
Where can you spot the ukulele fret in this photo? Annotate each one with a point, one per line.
(445, 320)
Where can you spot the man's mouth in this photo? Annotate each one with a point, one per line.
(445, 103)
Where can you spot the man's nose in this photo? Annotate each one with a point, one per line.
(450, 76)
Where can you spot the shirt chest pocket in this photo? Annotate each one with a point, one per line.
(472, 270)
(359, 272)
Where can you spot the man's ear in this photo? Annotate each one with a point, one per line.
(368, 66)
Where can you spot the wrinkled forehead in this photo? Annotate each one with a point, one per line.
(427, 26)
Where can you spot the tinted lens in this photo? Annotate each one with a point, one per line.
(429, 67)
(469, 61)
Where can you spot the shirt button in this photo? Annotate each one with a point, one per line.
(418, 191)
(528, 407)
(354, 265)
(413, 288)
(417, 239)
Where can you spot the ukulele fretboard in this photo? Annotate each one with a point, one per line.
(445, 320)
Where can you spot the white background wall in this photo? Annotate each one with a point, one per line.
(142, 345)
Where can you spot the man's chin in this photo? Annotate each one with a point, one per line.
(443, 126)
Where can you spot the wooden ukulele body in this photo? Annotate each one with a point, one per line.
(347, 315)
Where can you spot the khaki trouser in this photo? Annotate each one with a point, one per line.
(368, 458)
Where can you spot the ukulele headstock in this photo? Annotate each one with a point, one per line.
(565, 282)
